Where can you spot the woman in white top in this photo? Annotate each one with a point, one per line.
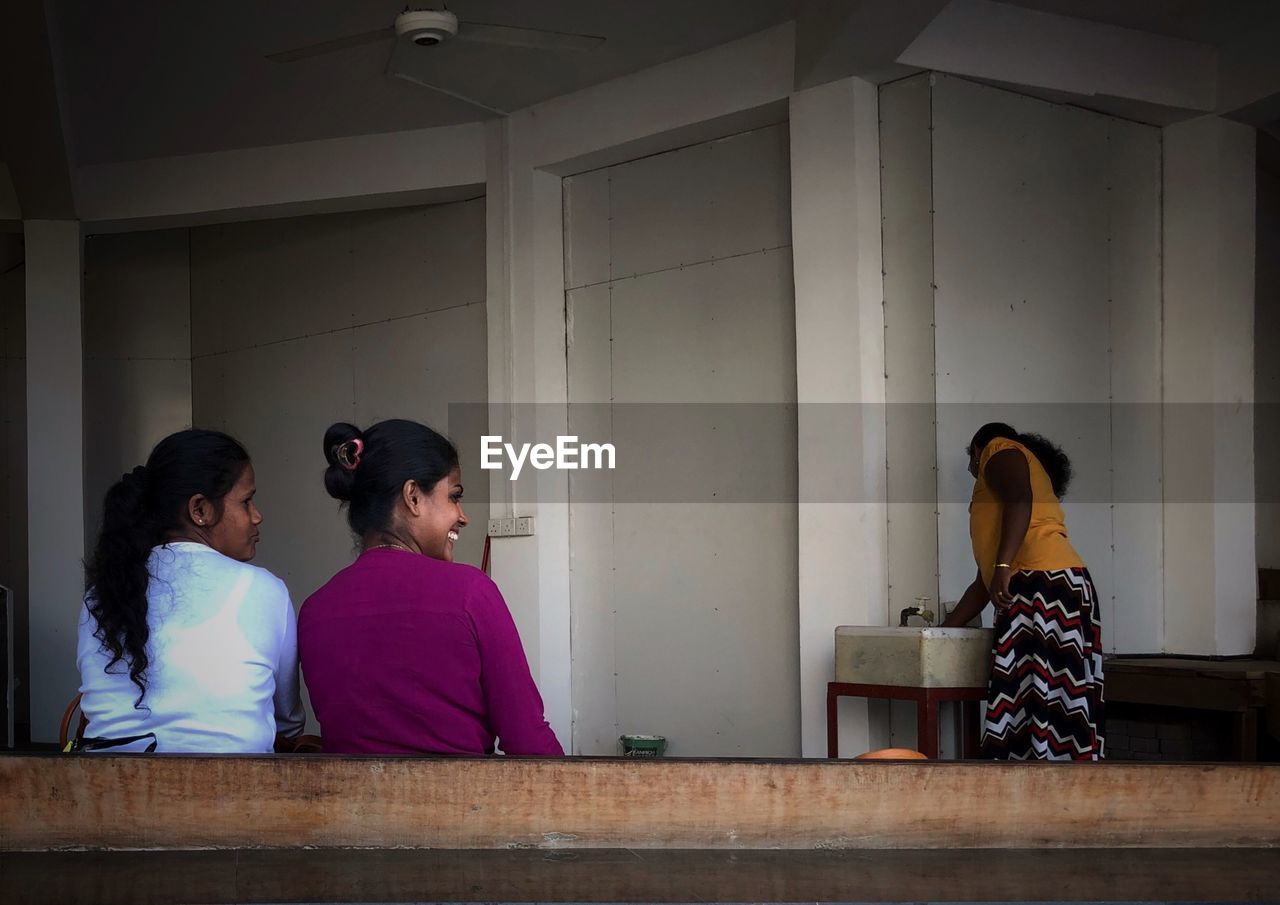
(183, 646)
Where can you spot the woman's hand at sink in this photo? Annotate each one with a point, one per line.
(972, 603)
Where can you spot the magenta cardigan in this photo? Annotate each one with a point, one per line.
(403, 654)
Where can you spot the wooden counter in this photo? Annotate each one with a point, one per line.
(188, 802)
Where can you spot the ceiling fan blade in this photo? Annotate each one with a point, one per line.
(315, 50)
(407, 63)
(484, 33)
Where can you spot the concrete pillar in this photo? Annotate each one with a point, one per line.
(835, 211)
(55, 466)
(525, 314)
(1209, 558)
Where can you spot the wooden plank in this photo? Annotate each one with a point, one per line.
(111, 878)
(1250, 668)
(613, 875)
(1177, 689)
(179, 802)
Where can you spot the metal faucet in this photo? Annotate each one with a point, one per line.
(908, 612)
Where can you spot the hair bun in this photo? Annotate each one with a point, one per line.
(343, 444)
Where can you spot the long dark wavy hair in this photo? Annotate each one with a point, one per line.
(142, 510)
(1054, 461)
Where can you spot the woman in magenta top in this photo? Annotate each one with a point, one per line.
(406, 651)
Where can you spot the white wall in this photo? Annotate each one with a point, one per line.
(1085, 270)
(906, 174)
(358, 317)
(838, 307)
(1209, 247)
(1026, 288)
(293, 324)
(911, 437)
(528, 153)
(379, 314)
(137, 348)
(1134, 620)
(1022, 284)
(681, 310)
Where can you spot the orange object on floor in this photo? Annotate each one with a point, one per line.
(891, 754)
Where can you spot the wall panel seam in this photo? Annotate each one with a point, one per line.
(682, 266)
(336, 330)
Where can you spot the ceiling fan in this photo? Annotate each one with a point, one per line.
(417, 31)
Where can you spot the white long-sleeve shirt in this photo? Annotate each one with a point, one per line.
(222, 675)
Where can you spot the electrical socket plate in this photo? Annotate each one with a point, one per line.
(511, 527)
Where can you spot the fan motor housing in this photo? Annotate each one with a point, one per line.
(426, 27)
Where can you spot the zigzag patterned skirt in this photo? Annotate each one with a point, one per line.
(1045, 700)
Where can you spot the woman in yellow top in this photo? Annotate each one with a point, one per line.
(1045, 698)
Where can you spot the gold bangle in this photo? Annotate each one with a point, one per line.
(1002, 565)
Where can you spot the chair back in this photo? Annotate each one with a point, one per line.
(64, 730)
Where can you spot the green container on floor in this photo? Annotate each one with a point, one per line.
(643, 745)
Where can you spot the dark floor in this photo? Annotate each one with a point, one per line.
(262, 876)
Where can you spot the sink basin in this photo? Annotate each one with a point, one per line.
(913, 657)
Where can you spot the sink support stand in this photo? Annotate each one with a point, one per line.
(927, 704)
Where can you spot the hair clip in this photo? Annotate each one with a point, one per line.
(343, 454)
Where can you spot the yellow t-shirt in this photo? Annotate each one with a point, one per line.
(1045, 546)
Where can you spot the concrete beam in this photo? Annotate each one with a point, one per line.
(989, 40)
(578, 131)
(836, 39)
(843, 543)
(361, 172)
(55, 466)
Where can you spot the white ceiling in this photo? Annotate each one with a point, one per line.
(154, 78)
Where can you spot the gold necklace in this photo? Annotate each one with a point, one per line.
(388, 547)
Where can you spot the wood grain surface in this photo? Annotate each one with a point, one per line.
(180, 802)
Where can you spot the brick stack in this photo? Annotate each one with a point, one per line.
(1166, 734)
